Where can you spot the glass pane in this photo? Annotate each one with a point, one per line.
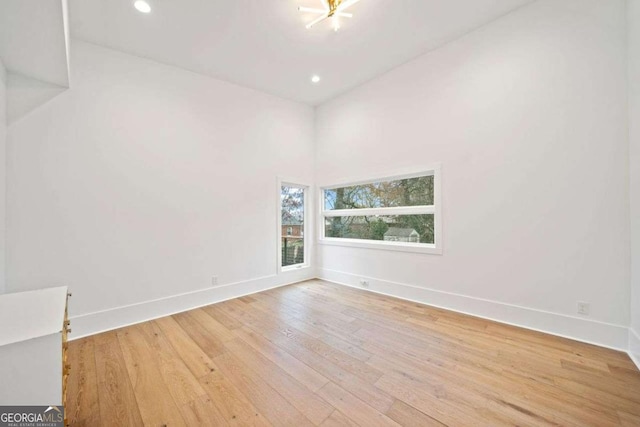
(402, 192)
(292, 233)
(391, 228)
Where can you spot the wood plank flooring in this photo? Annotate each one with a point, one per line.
(319, 354)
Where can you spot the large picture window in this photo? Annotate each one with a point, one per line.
(292, 226)
(399, 213)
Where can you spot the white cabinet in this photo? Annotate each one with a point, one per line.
(33, 333)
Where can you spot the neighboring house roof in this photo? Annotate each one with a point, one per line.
(400, 232)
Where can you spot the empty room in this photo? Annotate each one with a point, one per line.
(319, 213)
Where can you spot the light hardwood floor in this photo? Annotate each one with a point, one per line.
(317, 353)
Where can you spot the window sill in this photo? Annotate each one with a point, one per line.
(421, 248)
(296, 267)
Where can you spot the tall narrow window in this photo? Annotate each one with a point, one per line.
(293, 247)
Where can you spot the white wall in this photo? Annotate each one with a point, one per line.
(634, 163)
(25, 94)
(143, 181)
(3, 145)
(528, 117)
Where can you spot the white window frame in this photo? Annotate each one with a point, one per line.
(435, 209)
(306, 226)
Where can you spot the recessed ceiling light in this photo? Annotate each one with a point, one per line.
(142, 6)
(315, 79)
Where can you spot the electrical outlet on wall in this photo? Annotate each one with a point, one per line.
(214, 281)
(583, 308)
(364, 283)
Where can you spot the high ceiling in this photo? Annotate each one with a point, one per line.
(263, 44)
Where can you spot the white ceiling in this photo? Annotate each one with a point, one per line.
(263, 44)
(34, 39)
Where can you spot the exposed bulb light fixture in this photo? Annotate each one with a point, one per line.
(315, 79)
(142, 6)
(332, 9)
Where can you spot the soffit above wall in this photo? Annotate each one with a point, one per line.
(34, 39)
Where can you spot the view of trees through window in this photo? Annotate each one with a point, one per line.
(292, 231)
(409, 192)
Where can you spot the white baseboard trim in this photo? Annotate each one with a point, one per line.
(593, 332)
(634, 347)
(588, 331)
(101, 321)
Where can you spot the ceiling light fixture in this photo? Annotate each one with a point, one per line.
(142, 6)
(332, 9)
(315, 79)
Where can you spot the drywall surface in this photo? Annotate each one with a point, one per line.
(143, 181)
(528, 117)
(3, 146)
(634, 165)
(25, 94)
